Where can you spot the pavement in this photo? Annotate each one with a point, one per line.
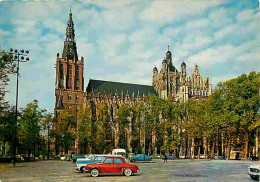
(174, 170)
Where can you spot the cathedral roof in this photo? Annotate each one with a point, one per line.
(120, 88)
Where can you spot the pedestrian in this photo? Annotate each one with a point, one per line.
(165, 158)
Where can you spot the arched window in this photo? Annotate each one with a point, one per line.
(77, 71)
(77, 83)
(77, 97)
(69, 97)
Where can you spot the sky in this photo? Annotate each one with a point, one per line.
(123, 40)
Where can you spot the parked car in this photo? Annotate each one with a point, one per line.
(66, 157)
(140, 157)
(82, 162)
(254, 171)
(112, 165)
(169, 157)
(237, 155)
(77, 156)
(121, 152)
(131, 155)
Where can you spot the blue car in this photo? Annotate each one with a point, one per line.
(140, 157)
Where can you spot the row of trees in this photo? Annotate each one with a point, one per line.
(227, 120)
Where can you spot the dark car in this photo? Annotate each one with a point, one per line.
(77, 156)
(140, 157)
(169, 157)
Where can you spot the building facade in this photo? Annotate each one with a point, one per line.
(168, 82)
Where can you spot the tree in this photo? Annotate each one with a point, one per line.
(65, 131)
(6, 68)
(29, 130)
(46, 124)
(7, 129)
(84, 132)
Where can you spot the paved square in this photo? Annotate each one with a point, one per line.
(176, 170)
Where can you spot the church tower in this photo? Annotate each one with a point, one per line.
(69, 83)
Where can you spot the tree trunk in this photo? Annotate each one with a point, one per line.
(228, 147)
(246, 145)
(192, 148)
(217, 146)
(222, 144)
(154, 148)
(186, 146)
(205, 147)
(3, 152)
(198, 153)
(34, 150)
(257, 143)
(213, 149)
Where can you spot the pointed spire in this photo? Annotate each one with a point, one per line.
(168, 47)
(70, 35)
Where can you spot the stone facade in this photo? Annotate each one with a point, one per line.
(170, 82)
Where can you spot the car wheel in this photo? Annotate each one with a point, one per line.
(94, 172)
(128, 172)
(254, 177)
(82, 169)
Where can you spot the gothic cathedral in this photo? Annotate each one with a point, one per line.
(168, 82)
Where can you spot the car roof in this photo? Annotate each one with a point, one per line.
(115, 156)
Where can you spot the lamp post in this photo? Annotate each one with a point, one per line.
(144, 131)
(48, 128)
(258, 114)
(18, 56)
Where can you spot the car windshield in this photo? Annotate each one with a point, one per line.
(120, 153)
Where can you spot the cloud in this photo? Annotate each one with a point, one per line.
(245, 15)
(219, 18)
(168, 11)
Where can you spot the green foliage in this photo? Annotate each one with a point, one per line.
(29, 125)
(65, 130)
(6, 68)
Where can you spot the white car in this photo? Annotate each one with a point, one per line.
(254, 171)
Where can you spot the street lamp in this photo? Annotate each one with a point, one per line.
(48, 127)
(144, 131)
(19, 56)
(258, 114)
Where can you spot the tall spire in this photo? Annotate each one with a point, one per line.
(70, 34)
(70, 49)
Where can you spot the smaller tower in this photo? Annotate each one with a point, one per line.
(164, 65)
(183, 69)
(155, 71)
